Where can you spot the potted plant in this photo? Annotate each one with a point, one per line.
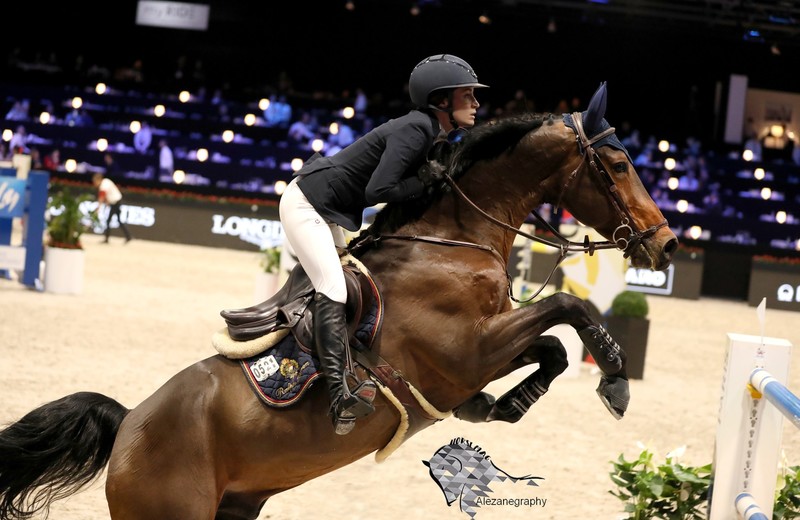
(267, 278)
(627, 323)
(64, 254)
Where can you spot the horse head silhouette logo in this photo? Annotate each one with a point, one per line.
(464, 471)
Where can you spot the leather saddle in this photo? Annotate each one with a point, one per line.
(287, 309)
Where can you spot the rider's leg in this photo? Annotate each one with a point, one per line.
(315, 242)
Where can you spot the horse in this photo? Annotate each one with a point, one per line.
(203, 445)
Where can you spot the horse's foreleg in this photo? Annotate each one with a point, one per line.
(551, 355)
(520, 327)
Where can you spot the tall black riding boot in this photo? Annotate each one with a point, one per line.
(330, 336)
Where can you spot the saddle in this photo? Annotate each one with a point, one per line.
(288, 311)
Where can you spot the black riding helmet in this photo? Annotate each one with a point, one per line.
(440, 71)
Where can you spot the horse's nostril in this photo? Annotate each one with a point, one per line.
(670, 247)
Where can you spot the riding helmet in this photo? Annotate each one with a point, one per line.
(437, 72)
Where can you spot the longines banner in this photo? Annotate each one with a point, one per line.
(215, 225)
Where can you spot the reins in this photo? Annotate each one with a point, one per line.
(626, 244)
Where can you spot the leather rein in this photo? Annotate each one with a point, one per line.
(625, 242)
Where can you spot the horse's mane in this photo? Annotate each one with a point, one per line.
(485, 141)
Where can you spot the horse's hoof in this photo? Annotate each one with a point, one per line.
(615, 395)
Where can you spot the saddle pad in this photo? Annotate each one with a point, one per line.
(282, 374)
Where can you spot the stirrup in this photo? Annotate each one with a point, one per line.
(357, 402)
(351, 405)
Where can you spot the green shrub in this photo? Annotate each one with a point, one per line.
(632, 304)
(66, 223)
(270, 260)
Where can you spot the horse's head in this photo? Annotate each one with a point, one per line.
(606, 193)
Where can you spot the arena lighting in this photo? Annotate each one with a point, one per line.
(682, 206)
(70, 165)
(780, 217)
(766, 193)
(348, 112)
(263, 104)
(159, 110)
(695, 232)
(228, 136)
(297, 163)
(102, 144)
(135, 126)
(484, 19)
(673, 183)
(334, 128)
(759, 173)
(317, 145)
(663, 145)
(7, 135)
(797, 245)
(350, 5)
(414, 10)
(250, 119)
(279, 187)
(44, 118)
(747, 155)
(178, 176)
(776, 130)
(77, 102)
(184, 96)
(669, 163)
(202, 154)
(100, 88)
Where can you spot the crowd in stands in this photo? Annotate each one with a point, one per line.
(224, 142)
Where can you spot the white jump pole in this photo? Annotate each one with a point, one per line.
(749, 431)
(748, 509)
(777, 394)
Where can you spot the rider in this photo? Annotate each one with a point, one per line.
(330, 192)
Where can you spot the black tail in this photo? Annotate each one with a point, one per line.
(54, 451)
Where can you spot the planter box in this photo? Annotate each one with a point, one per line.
(631, 334)
(778, 283)
(63, 270)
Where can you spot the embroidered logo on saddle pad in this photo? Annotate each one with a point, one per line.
(281, 375)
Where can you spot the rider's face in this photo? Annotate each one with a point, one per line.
(465, 106)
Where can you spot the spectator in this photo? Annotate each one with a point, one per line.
(19, 141)
(19, 111)
(166, 161)
(143, 138)
(279, 111)
(302, 130)
(52, 161)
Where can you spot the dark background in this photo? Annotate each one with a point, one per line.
(667, 64)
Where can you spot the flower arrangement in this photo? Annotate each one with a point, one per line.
(66, 221)
(675, 491)
(270, 259)
(780, 260)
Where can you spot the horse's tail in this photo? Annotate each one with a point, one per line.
(54, 451)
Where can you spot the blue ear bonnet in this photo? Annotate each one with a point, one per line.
(610, 140)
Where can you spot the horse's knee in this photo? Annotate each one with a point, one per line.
(551, 354)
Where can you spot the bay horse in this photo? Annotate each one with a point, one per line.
(203, 446)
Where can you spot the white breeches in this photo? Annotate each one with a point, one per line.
(314, 241)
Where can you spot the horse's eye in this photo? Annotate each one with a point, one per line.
(620, 167)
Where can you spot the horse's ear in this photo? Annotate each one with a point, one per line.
(596, 111)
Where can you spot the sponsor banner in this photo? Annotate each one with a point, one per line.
(176, 15)
(781, 288)
(651, 282)
(12, 257)
(12, 197)
(214, 225)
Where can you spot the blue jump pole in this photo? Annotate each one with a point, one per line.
(747, 507)
(777, 394)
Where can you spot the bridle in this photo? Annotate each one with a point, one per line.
(626, 237)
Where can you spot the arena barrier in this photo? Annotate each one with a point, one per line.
(23, 195)
(747, 451)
